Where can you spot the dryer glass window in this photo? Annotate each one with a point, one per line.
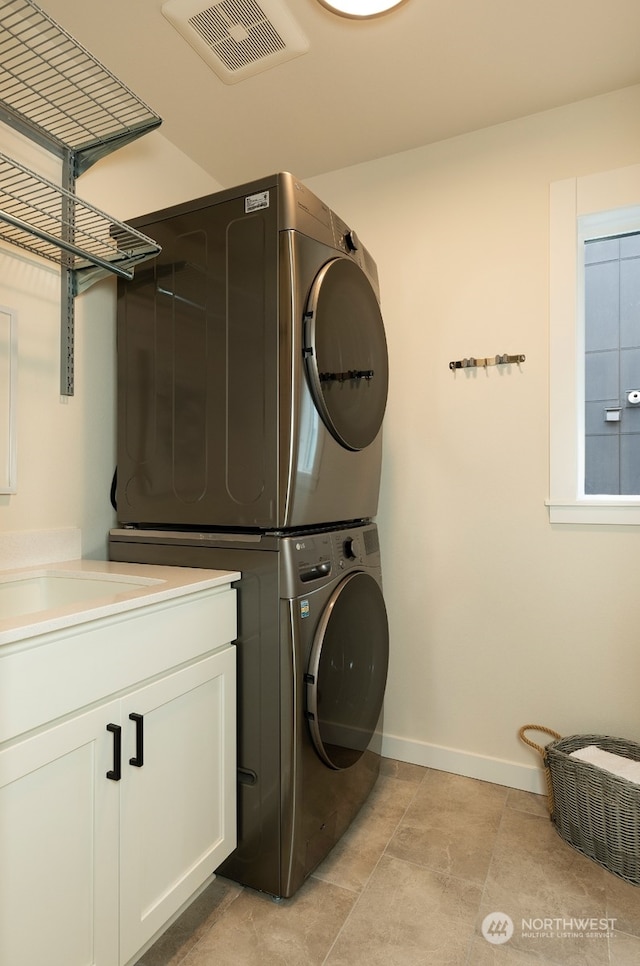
(346, 353)
(348, 671)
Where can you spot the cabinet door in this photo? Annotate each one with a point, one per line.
(59, 846)
(178, 813)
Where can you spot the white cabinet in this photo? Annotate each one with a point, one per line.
(59, 846)
(113, 815)
(178, 814)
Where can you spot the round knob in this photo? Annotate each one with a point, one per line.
(352, 241)
(351, 548)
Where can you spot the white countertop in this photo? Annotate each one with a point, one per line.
(159, 584)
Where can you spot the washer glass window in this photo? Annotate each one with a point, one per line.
(348, 671)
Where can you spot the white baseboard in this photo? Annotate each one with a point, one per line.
(529, 778)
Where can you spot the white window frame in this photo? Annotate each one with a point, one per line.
(580, 208)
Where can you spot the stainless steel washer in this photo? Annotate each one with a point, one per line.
(313, 651)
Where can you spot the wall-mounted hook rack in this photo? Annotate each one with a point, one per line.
(499, 360)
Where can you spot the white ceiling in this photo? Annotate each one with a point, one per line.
(430, 70)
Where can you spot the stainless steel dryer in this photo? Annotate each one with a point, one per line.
(313, 650)
(252, 366)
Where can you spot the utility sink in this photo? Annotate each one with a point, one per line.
(75, 632)
(43, 591)
(36, 601)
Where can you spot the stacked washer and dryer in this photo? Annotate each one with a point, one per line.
(252, 384)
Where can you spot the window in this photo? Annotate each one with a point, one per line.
(594, 462)
(611, 269)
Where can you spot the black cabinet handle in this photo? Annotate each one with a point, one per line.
(115, 774)
(138, 760)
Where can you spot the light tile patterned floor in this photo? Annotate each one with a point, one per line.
(428, 857)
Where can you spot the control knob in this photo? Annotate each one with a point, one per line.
(352, 241)
(351, 549)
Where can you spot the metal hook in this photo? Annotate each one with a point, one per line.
(498, 360)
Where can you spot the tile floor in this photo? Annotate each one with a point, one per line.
(428, 857)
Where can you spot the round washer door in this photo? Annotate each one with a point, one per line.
(348, 671)
(346, 353)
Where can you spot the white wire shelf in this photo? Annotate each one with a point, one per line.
(39, 216)
(58, 93)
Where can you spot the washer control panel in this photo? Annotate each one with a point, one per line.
(311, 559)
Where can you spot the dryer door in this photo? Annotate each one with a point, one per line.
(346, 353)
(348, 671)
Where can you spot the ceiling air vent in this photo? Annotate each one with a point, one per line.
(238, 38)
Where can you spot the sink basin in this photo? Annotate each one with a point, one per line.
(73, 632)
(43, 591)
(53, 597)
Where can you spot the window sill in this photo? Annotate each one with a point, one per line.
(605, 511)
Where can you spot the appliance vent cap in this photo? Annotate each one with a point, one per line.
(238, 38)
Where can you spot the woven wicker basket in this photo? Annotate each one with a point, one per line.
(594, 811)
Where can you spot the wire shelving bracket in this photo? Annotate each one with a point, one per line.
(58, 95)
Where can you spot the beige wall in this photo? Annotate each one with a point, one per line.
(497, 617)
